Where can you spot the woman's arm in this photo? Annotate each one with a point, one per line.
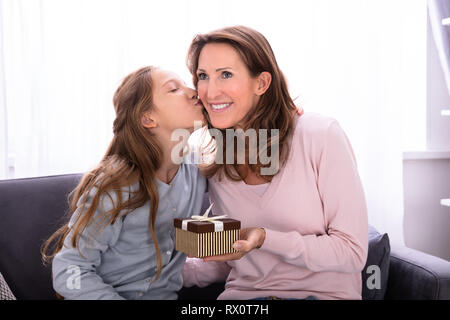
(197, 272)
(344, 246)
(75, 276)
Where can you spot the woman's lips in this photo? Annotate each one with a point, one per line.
(220, 107)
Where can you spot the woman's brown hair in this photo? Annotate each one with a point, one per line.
(133, 155)
(274, 110)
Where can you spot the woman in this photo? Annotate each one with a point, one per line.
(305, 229)
(119, 242)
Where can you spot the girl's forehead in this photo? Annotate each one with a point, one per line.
(162, 76)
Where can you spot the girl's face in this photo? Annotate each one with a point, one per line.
(176, 106)
(225, 86)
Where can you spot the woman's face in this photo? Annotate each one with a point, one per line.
(176, 106)
(225, 86)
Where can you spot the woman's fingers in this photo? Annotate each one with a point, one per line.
(242, 246)
(250, 239)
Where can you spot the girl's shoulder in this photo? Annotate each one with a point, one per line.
(192, 172)
(108, 198)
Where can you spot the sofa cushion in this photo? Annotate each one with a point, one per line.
(5, 291)
(31, 210)
(376, 271)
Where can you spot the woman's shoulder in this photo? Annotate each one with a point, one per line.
(314, 130)
(313, 124)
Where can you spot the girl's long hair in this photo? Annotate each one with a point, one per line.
(275, 108)
(133, 155)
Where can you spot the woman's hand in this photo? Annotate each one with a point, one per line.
(250, 238)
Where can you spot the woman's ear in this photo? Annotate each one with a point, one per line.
(148, 121)
(263, 80)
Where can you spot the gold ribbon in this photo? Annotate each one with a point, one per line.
(218, 225)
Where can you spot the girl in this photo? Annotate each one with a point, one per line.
(119, 242)
(305, 228)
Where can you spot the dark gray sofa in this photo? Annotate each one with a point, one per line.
(33, 208)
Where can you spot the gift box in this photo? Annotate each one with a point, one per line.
(207, 236)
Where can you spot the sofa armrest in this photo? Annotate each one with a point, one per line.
(417, 275)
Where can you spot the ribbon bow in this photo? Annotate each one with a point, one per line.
(218, 225)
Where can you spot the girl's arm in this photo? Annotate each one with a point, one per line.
(75, 276)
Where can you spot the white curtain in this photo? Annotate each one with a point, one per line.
(3, 116)
(439, 12)
(360, 61)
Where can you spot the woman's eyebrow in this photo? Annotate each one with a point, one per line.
(220, 69)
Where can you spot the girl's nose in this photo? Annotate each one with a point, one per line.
(192, 93)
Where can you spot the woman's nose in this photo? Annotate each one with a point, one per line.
(212, 91)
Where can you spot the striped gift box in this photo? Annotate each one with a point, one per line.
(206, 238)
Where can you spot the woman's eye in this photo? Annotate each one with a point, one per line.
(202, 76)
(226, 74)
(173, 90)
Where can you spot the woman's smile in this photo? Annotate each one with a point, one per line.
(220, 107)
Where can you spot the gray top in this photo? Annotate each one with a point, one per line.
(120, 263)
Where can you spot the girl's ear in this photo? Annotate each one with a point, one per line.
(148, 121)
(264, 79)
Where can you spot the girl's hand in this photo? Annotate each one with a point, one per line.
(250, 238)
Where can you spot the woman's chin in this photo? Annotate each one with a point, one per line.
(221, 124)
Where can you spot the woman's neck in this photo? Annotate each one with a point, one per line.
(248, 176)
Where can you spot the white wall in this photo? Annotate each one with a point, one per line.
(438, 98)
(3, 116)
(426, 174)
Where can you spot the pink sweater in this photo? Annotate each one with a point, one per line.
(315, 217)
